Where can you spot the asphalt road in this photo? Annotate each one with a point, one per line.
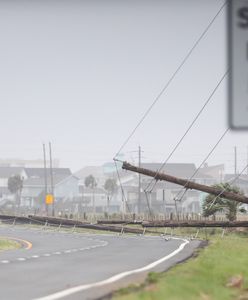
(62, 265)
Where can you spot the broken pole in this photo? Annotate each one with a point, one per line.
(186, 183)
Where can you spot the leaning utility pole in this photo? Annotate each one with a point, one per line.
(186, 183)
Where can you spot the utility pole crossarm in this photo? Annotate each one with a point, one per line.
(185, 183)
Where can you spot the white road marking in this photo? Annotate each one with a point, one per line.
(47, 254)
(67, 251)
(114, 278)
(5, 261)
(35, 256)
(57, 253)
(21, 259)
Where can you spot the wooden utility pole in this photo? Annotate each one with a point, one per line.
(186, 183)
(193, 223)
(247, 160)
(139, 185)
(45, 176)
(235, 160)
(51, 175)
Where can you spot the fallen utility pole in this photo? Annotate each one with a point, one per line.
(119, 222)
(193, 223)
(185, 183)
(69, 223)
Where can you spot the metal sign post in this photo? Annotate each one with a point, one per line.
(238, 61)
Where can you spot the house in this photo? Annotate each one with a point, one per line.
(102, 201)
(65, 187)
(6, 198)
(95, 171)
(216, 172)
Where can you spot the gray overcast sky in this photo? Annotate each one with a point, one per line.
(82, 73)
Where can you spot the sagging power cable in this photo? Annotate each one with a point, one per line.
(203, 34)
(153, 181)
(231, 182)
(202, 163)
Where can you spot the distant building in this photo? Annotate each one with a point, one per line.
(6, 198)
(103, 201)
(65, 186)
(27, 163)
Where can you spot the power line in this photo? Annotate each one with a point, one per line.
(187, 131)
(171, 79)
(205, 159)
(231, 182)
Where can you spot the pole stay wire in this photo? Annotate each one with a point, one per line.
(122, 189)
(171, 79)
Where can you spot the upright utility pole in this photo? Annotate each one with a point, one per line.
(164, 203)
(235, 160)
(247, 159)
(51, 175)
(139, 185)
(45, 175)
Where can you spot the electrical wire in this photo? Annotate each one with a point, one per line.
(186, 132)
(231, 182)
(202, 163)
(203, 34)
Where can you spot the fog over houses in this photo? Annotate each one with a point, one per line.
(127, 194)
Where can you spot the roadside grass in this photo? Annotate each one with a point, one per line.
(6, 244)
(204, 277)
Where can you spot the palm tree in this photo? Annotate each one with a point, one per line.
(90, 182)
(213, 204)
(15, 185)
(110, 187)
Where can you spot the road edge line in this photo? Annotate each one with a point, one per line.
(76, 289)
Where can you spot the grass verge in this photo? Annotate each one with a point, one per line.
(218, 272)
(6, 244)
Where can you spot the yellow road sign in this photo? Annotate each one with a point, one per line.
(49, 199)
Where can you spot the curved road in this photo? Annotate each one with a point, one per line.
(62, 265)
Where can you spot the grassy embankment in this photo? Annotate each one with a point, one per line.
(219, 272)
(6, 244)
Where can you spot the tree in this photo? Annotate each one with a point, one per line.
(15, 185)
(110, 187)
(90, 182)
(213, 204)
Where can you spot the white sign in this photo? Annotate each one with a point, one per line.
(238, 62)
